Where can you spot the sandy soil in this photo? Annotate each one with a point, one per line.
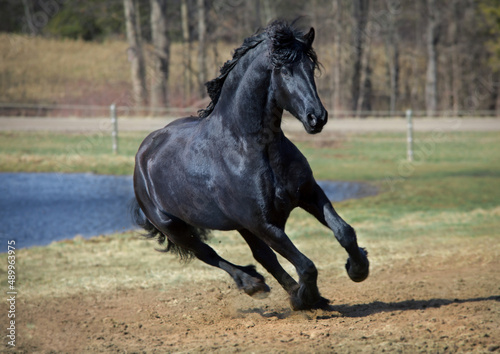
(417, 306)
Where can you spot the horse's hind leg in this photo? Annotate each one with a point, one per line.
(186, 237)
(317, 203)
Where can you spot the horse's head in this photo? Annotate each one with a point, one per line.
(293, 65)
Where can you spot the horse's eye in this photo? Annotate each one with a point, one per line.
(285, 71)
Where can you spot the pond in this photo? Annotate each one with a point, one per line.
(39, 208)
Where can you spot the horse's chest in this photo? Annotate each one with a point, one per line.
(279, 196)
(282, 200)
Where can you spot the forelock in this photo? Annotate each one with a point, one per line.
(287, 44)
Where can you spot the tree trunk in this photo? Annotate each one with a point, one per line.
(432, 39)
(366, 90)
(161, 53)
(186, 50)
(337, 62)
(268, 11)
(314, 14)
(360, 17)
(136, 56)
(33, 29)
(257, 20)
(455, 55)
(365, 93)
(415, 83)
(392, 53)
(496, 93)
(202, 50)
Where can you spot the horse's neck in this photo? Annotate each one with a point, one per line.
(246, 103)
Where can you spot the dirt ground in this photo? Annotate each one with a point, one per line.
(423, 305)
(438, 301)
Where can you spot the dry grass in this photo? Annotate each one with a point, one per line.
(35, 69)
(435, 218)
(41, 70)
(68, 163)
(126, 261)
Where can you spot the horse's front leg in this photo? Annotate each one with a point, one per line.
(304, 295)
(265, 256)
(318, 204)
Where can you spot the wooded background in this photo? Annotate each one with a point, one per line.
(377, 55)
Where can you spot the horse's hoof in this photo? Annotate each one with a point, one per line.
(358, 271)
(322, 303)
(299, 300)
(260, 295)
(299, 305)
(258, 290)
(252, 283)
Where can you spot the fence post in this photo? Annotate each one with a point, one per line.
(114, 123)
(409, 135)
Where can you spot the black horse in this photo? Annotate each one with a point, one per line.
(232, 168)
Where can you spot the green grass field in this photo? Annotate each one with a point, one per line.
(451, 191)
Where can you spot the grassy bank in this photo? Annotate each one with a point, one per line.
(448, 199)
(69, 153)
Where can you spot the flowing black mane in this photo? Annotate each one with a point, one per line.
(286, 46)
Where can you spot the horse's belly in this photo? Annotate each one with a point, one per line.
(194, 203)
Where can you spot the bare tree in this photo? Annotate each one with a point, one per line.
(418, 7)
(257, 20)
(432, 39)
(186, 49)
(455, 54)
(392, 52)
(337, 61)
(136, 56)
(34, 30)
(365, 91)
(360, 19)
(161, 53)
(268, 11)
(202, 49)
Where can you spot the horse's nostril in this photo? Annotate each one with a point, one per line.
(311, 118)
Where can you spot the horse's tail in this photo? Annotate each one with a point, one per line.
(152, 232)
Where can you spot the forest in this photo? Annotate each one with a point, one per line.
(437, 57)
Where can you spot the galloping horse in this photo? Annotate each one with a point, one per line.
(232, 168)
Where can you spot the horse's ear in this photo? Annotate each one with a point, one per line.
(309, 37)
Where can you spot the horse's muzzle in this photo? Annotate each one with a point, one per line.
(315, 122)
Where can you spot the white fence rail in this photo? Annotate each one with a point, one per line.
(67, 110)
(76, 110)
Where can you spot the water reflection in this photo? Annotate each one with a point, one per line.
(38, 208)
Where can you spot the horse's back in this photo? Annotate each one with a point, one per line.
(179, 129)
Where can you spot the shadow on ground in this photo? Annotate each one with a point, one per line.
(365, 310)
